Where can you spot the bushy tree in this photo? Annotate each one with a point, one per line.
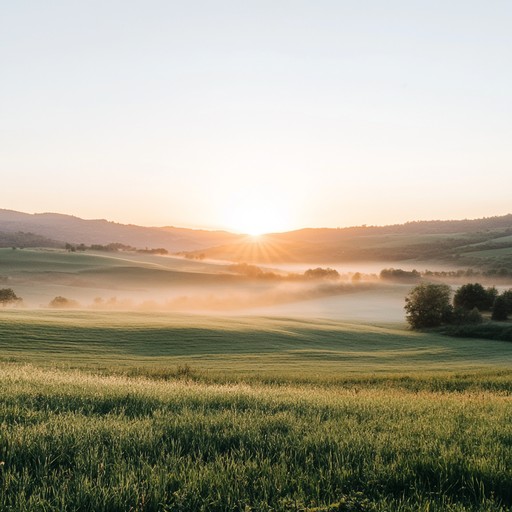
(492, 293)
(507, 294)
(463, 316)
(428, 305)
(62, 302)
(474, 295)
(7, 296)
(500, 308)
(474, 317)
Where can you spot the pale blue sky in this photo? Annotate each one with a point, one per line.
(234, 113)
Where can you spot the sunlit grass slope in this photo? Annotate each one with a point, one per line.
(47, 260)
(236, 345)
(98, 269)
(72, 441)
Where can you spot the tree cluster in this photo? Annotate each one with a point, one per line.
(430, 305)
(159, 250)
(7, 296)
(20, 240)
(397, 274)
(60, 302)
(321, 273)
(112, 247)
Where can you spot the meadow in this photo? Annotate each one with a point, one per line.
(78, 441)
(130, 410)
(235, 347)
(122, 411)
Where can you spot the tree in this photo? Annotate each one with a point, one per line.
(507, 294)
(463, 316)
(474, 317)
(492, 293)
(474, 295)
(62, 302)
(7, 296)
(500, 308)
(428, 305)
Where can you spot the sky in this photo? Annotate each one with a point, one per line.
(252, 116)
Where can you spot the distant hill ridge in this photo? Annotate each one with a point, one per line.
(421, 226)
(459, 241)
(71, 229)
(450, 239)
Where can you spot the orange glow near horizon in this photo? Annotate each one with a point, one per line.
(261, 249)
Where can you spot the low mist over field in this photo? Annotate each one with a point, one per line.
(120, 277)
(129, 281)
(359, 273)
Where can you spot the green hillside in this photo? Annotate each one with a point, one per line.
(463, 242)
(273, 347)
(451, 242)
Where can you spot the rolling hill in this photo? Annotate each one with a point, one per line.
(483, 242)
(53, 229)
(480, 242)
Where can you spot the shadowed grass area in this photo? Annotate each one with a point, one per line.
(270, 347)
(501, 331)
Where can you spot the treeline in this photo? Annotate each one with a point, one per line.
(113, 247)
(445, 226)
(255, 272)
(502, 222)
(400, 275)
(21, 240)
(397, 274)
(470, 272)
(387, 274)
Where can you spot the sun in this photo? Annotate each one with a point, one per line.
(254, 222)
(256, 217)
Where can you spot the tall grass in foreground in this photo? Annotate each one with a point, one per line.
(74, 441)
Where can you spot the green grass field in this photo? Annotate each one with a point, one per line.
(153, 411)
(236, 346)
(187, 412)
(491, 254)
(75, 441)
